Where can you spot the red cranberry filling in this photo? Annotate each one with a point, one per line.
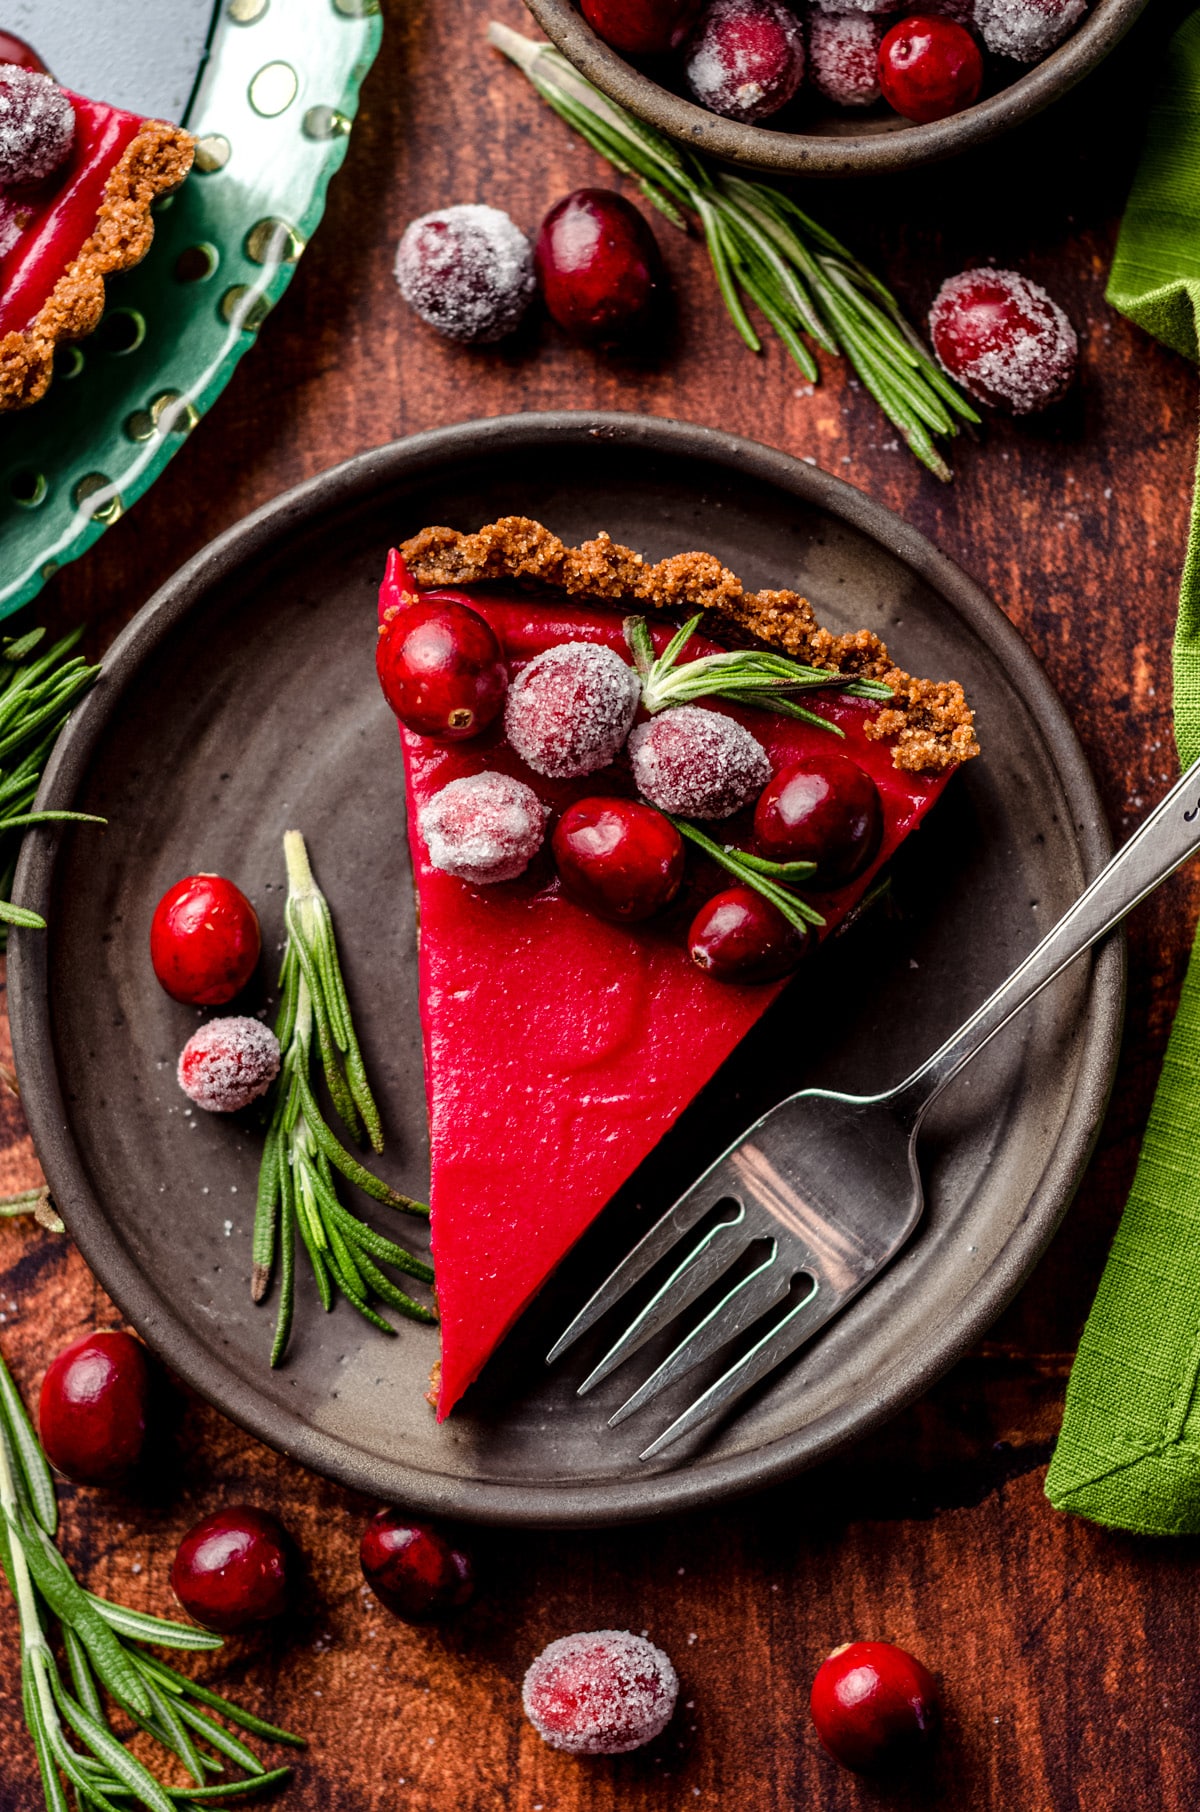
(929, 68)
(1004, 339)
(738, 936)
(620, 859)
(413, 1569)
(603, 1692)
(204, 940)
(600, 269)
(95, 1407)
(569, 711)
(746, 58)
(441, 669)
(826, 810)
(234, 1569)
(874, 1705)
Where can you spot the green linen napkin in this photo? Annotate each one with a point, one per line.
(1129, 1452)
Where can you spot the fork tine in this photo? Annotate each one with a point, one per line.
(652, 1247)
(776, 1345)
(705, 1262)
(766, 1285)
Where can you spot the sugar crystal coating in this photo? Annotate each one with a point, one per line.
(843, 56)
(37, 125)
(1004, 339)
(467, 271)
(745, 59)
(876, 7)
(483, 828)
(1026, 30)
(602, 1692)
(698, 763)
(228, 1064)
(569, 711)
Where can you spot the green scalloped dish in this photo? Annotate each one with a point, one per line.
(271, 116)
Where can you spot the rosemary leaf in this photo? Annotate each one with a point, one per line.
(796, 911)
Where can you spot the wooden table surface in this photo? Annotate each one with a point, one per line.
(1068, 1652)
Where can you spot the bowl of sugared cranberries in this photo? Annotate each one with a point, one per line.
(794, 85)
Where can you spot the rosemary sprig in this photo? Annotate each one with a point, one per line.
(744, 676)
(37, 693)
(296, 1184)
(767, 250)
(104, 1647)
(772, 879)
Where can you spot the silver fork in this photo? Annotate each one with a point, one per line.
(828, 1185)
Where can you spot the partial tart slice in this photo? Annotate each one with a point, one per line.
(64, 232)
(558, 1047)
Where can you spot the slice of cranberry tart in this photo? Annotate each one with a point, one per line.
(639, 796)
(77, 179)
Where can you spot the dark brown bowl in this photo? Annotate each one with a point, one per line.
(837, 144)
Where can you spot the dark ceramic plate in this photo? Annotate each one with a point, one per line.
(242, 700)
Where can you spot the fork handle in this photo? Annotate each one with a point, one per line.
(1156, 849)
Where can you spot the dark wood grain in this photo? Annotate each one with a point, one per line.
(1067, 1652)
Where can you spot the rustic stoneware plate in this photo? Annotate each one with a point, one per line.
(242, 701)
(812, 137)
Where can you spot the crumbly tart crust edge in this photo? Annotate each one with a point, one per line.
(155, 161)
(929, 722)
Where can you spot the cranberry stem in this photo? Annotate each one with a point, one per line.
(756, 872)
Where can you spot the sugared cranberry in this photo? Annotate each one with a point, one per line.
(843, 57)
(95, 1407)
(234, 1569)
(600, 269)
(620, 859)
(483, 828)
(441, 669)
(569, 711)
(745, 59)
(1004, 339)
(37, 125)
(643, 28)
(204, 940)
(603, 1692)
(413, 1569)
(738, 936)
(228, 1063)
(15, 50)
(467, 271)
(1026, 30)
(929, 68)
(874, 1705)
(698, 763)
(823, 809)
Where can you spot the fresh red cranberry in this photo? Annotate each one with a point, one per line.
(642, 28)
(95, 1407)
(600, 269)
(467, 271)
(413, 1569)
(823, 809)
(15, 50)
(204, 940)
(738, 936)
(745, 59)
(620, 859)
(1004, 339)
(929, 68)
(874, 1705)
(441, 669)
(602, 1692)
(234, 1569)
